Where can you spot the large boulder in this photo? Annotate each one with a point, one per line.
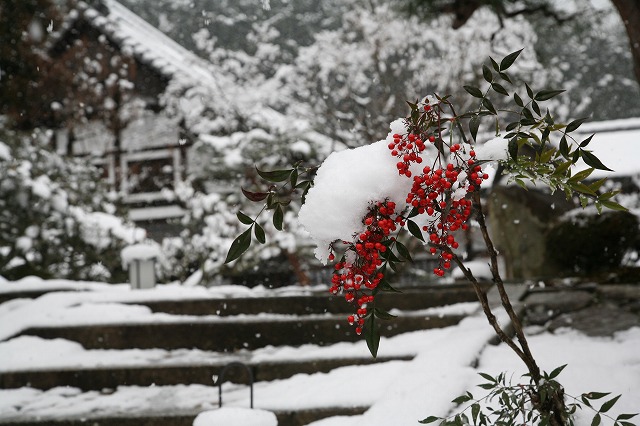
(519, 221)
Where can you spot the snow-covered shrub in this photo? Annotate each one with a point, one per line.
(56, 218)
(262, 139)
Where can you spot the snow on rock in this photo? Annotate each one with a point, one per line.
(233, 416)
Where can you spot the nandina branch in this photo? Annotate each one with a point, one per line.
(486, 308)
(504, 298)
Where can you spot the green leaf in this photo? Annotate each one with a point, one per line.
(254, 196)
(489, 106)
(461, 399)
(429, 419)
(505, 77)
(513, 149)
(626, 416)
(508, 60)
(278, 217)
(593, 161)
(475, 410)
(545, 95)
(607, 405)
(385, 286)
(239, 246)
(586, 141)
(596, 420)
(557, 371)
(474, 125)
(372, 335)
(581, 187)
(414, 229)
(529, 91)
(518, 100)
(564, 147)
(403, 251)
(259, 233)
(382, 314)
(498, 88)
(575, 124)
(494, 64)
(487, 377)
(536, 107)
(275, 175)
(582, 175)
(293, 178)
(244, 218)
(473, 91)
(613, 206)
(487, 74)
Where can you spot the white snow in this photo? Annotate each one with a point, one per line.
(616, 143)
(494, 149)
(140, 251)
(398, 392)
(236, 417)
(344, 186)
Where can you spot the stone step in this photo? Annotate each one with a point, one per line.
(110, 377)
(285, 418)
(234, 334)
(410, 299)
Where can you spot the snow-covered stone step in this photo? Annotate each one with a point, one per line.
(110, 377)
(301, 399)
(234, 333)
(411, 299)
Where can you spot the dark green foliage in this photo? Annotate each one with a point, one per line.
(591, 243)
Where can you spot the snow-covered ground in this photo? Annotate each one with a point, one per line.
(399, 392)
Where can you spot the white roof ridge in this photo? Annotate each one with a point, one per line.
(148, 43)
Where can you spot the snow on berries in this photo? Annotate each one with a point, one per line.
(364, 198)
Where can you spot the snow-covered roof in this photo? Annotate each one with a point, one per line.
(147, 43)
(616, 143)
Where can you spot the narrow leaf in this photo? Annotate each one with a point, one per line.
(498, 88)
(372, 335)
(473, 91)
(430, 419)
(518, 100)
(557, 371)
(414, 229)
(259, 233)
(382, 314)
(586, 142)
(575, 124)
(607, 405)
(403, 251)
(244, 218)
(613, 206)
(474, 124)
(596, 420)
(274, 175)
(593, 161)
(489, 106)
(508, 60)
(278, 217)
(545, 95)
(487, 74)
(239, 246)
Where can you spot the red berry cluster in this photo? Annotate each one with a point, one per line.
(365, 255)
(433, 190)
